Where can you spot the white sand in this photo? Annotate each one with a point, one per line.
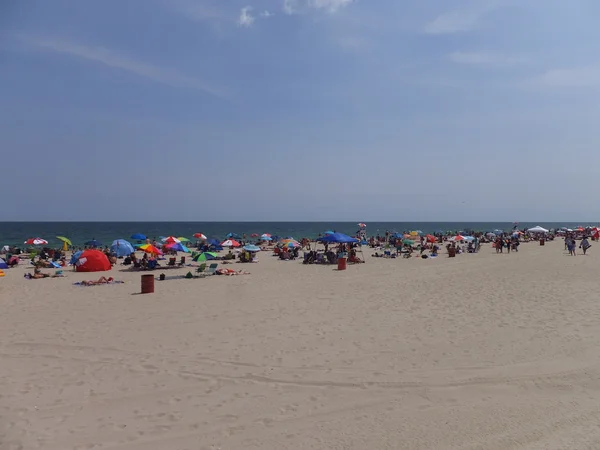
(478, 352)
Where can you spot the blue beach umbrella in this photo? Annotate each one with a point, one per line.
(75, 257)
(121, 247)
(178, 247)
(93, 243)
(329, 232)
(139, 237)
(252, 248)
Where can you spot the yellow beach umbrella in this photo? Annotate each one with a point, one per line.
(183, 239)
(66, 241)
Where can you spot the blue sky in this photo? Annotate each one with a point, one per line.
(299, 109)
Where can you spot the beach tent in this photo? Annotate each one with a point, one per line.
(338, 238)
(92, 261)
(3, 264)
(121, 247)
(537, 229)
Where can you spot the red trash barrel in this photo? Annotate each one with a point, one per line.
(147, 284)
(342, 263)
(542, 242)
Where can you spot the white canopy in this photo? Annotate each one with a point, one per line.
(537, 229)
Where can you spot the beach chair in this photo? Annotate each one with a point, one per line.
(212, 269)
(202, 268)
(172, 261)
(182, 261)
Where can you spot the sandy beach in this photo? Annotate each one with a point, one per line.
(481, 351)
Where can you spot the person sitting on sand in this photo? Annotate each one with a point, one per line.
(101, 280)
(37, 274)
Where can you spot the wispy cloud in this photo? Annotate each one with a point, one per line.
(296, 6)
(266, 14)
(246, 19)
(329, 5)
(570, 78)
(101, 55)
(459, 21)
(485, 58)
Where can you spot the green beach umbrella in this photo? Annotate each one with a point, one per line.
(183, 239)
(408, 242)
(205, 256)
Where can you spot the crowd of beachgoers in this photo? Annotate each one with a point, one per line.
(147, 253)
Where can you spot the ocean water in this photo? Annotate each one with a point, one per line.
(15, 233)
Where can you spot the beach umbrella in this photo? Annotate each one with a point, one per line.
(149, 248)
(178, 247)
(36, 241)
(408, 241)
(139, 237)
(254, 235)
(252, 248)
(233, 236)
(200, 236)
(537, 229)
(288, 240)
(66, 242)
(431, 239)
(170, 240)
(291, 244)
(183, 239)
(205, 256)
(64, 239)
(121, 247)
(362, 225)
(458, 237)
(230, 243)
(93, 243)
(75, 257)
(329, 232)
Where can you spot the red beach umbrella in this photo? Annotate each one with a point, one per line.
(200, 236)
(230, 243)
(431, 239)
(36, 241)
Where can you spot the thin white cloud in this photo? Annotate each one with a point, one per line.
(296, 6)
(460, 21)
(246, 19)
(290, 7)
(104, 56)
(484, 58)
(570, 78)
(329, 5)
(266, 14)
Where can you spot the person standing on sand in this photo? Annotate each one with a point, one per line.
(571, 246)
(585, 245)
